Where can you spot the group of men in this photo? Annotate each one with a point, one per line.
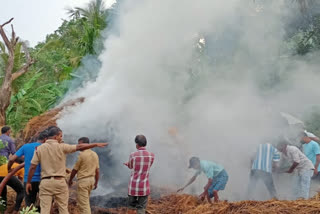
(304, 165)
(45, 170)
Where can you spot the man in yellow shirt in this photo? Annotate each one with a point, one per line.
(14, 183)
(87, 170)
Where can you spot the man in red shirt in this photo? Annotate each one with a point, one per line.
(139, 188)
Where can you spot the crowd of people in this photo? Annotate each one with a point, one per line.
(44, 170)
(303, 165)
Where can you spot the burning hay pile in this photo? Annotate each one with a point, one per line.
(188, 204)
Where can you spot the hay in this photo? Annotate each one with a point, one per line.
(187, 204)
(43, 121)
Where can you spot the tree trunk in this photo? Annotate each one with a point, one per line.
(5, 92)
(6, 88)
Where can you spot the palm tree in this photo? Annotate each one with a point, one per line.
(93, 19)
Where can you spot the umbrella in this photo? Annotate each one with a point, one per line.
(291, 119)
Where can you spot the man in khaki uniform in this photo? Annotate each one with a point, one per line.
(52, 157)
(87, 170)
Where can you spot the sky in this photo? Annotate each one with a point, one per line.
(34, 19)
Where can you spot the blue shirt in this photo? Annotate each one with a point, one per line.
(311, 150)
(9, 147)
(28, 150)
(266, 153)
(209, 168)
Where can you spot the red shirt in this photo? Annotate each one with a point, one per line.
(140, 162)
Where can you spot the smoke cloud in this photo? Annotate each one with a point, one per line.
(198, 78)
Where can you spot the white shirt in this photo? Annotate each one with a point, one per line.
(295, 155)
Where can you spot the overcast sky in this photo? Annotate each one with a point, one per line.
(34, 19)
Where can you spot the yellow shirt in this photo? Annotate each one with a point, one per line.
(87, 163)
(52, 157)
(4, 170)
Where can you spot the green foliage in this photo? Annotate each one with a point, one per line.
(55, 59)
(29, 210)
(31, 101)
(2, 205)
(313, 121)
(308, 40)
(3, 159)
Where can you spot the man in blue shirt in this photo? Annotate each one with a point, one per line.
(262, 165)
(312, 150)
(27, 151)
(217, 177)
(9, 146)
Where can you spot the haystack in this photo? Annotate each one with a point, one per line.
(188, 204)
(43, 121)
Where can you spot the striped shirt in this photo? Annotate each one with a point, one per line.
(140, 162)
(266, 153)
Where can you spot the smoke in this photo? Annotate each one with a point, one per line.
(198, 78)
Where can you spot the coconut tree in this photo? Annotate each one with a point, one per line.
(92, 20)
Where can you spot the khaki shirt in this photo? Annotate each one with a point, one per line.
(52, 157)
(87, 163)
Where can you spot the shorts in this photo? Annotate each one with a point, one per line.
(137, 202)
(219, 182)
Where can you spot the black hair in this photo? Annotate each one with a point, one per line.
(54, 131)
(194, 160)
(84, 140)
(5, 129)
(51, 127)
(43, 135)
(141, 140)
(19, 160)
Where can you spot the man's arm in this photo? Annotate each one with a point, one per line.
(73, 173)
(129, 164)
(32, 169)
(293, 166)
(97, 178)
(206, 187)
(82, 147)
(190, 182)
(316, 166)
(12, 147)
(12, 159)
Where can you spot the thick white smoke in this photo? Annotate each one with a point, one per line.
(203, 67)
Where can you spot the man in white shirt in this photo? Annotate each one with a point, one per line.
(300, 164)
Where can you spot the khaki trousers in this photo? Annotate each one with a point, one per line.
(57, 189)
(85, 185)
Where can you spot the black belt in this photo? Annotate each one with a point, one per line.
(54, 177)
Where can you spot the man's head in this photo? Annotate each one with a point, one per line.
(43, 136)
(6, 130)
(55, 133)
(194, 163)
(83, 140)
(305, 138)
(141, 141)
(282, 146)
